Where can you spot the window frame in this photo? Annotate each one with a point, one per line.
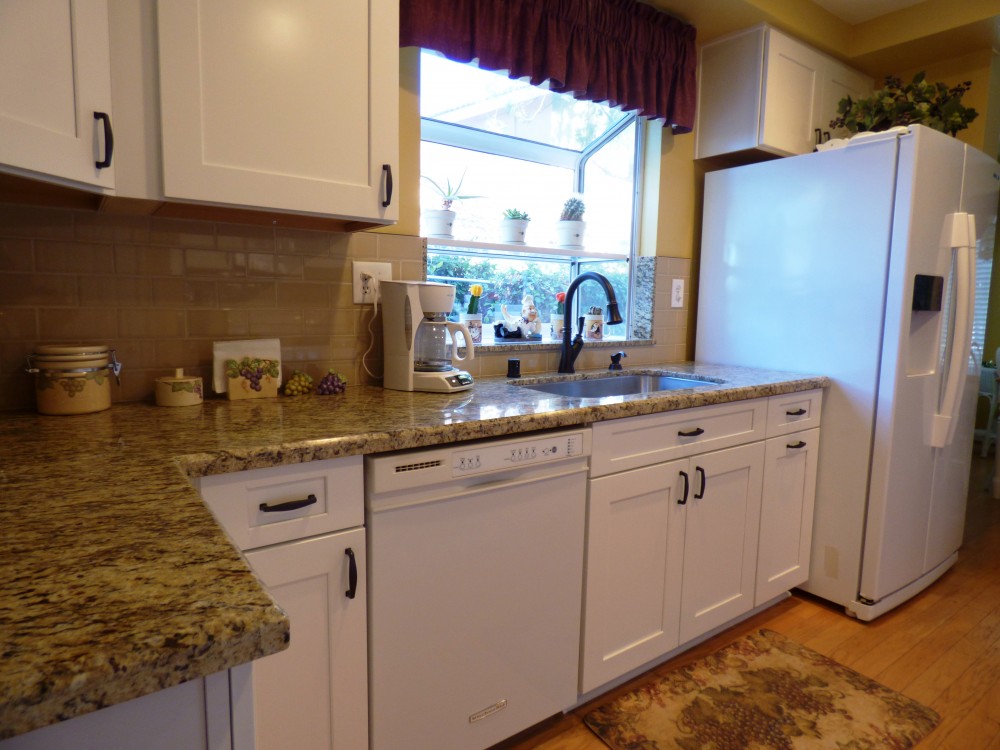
(475, 139)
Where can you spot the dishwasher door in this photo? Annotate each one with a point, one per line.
(475, 591)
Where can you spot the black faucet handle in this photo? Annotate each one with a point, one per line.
(579, 325)
(616, 361)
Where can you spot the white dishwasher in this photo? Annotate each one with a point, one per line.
(475, 582)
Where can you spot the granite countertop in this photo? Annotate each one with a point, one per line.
(118, 582)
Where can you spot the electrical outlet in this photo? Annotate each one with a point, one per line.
(366, 276)
(677, 293)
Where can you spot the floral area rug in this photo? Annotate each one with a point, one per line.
(763, 691)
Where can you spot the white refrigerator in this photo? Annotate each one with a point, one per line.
(861, 263)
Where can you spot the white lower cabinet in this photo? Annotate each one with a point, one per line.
(193, 715)
(314, 694)
(720, 538)
(635, 555)
(671, 554)
(676, 548)
(299, 697)
(786, 513)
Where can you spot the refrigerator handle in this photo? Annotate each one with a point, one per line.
(959, 234)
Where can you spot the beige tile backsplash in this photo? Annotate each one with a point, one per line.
(160, 291)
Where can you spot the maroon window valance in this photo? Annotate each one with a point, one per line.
(617, 51)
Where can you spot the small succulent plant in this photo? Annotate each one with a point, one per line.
(572, 210)
(448, 193)
(513, 213)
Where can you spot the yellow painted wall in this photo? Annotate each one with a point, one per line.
(974, 67)
(669, 213)
(918, 22)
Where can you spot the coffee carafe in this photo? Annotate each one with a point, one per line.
(421, 346)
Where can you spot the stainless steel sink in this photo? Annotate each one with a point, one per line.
(619, 385)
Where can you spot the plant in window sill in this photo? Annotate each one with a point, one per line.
(569, 228)
(439, 222)
(475, 292)
(472, 318)
(514, 226)
(556, 319)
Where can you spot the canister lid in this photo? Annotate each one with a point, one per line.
(178, 377)
(71, 350)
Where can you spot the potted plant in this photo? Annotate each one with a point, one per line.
(935, 105)
(438, 222)
(472, 317)
(556, 319)
(569, 228)
(514, 226)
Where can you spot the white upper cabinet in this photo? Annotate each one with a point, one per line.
(281, 104)
(55, 92)
(762, 89)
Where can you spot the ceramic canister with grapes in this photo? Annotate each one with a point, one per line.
(73, 378)
(179, 390)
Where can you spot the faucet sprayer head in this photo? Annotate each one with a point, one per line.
(611, 313)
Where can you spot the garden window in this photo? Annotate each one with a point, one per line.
(490, 145)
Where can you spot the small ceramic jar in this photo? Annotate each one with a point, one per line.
(73, 378)
(593, 327)
(179, 390)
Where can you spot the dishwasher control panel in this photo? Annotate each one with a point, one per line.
(506, 454)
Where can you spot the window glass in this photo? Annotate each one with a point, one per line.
(498, 183)
(490, 101)
(506, 281)
(610, 194)
(591, 295)
(511, 145)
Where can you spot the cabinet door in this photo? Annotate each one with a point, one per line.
(313, 695)
(635, 537)
(284, 104)
(55, 73)
(793, 73)
(730, 80)
(720, 538)
(839, 81)
(786, 514)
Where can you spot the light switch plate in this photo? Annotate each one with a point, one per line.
(365, 288)
(677, 293)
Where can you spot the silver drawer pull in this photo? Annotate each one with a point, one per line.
(290, 505)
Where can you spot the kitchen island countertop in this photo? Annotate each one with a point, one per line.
(118, 582)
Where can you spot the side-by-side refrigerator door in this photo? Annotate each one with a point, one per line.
(922, 397)
(980, 188)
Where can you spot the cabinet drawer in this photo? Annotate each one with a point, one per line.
(319, 496)
(792, 412)
(630, 443)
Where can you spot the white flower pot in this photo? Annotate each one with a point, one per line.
(438, 222)
(570, 233)
(555, 327)
(513, 230)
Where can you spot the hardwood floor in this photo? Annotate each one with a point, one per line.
(941, 648)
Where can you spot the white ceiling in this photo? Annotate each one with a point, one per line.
(858, 11)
